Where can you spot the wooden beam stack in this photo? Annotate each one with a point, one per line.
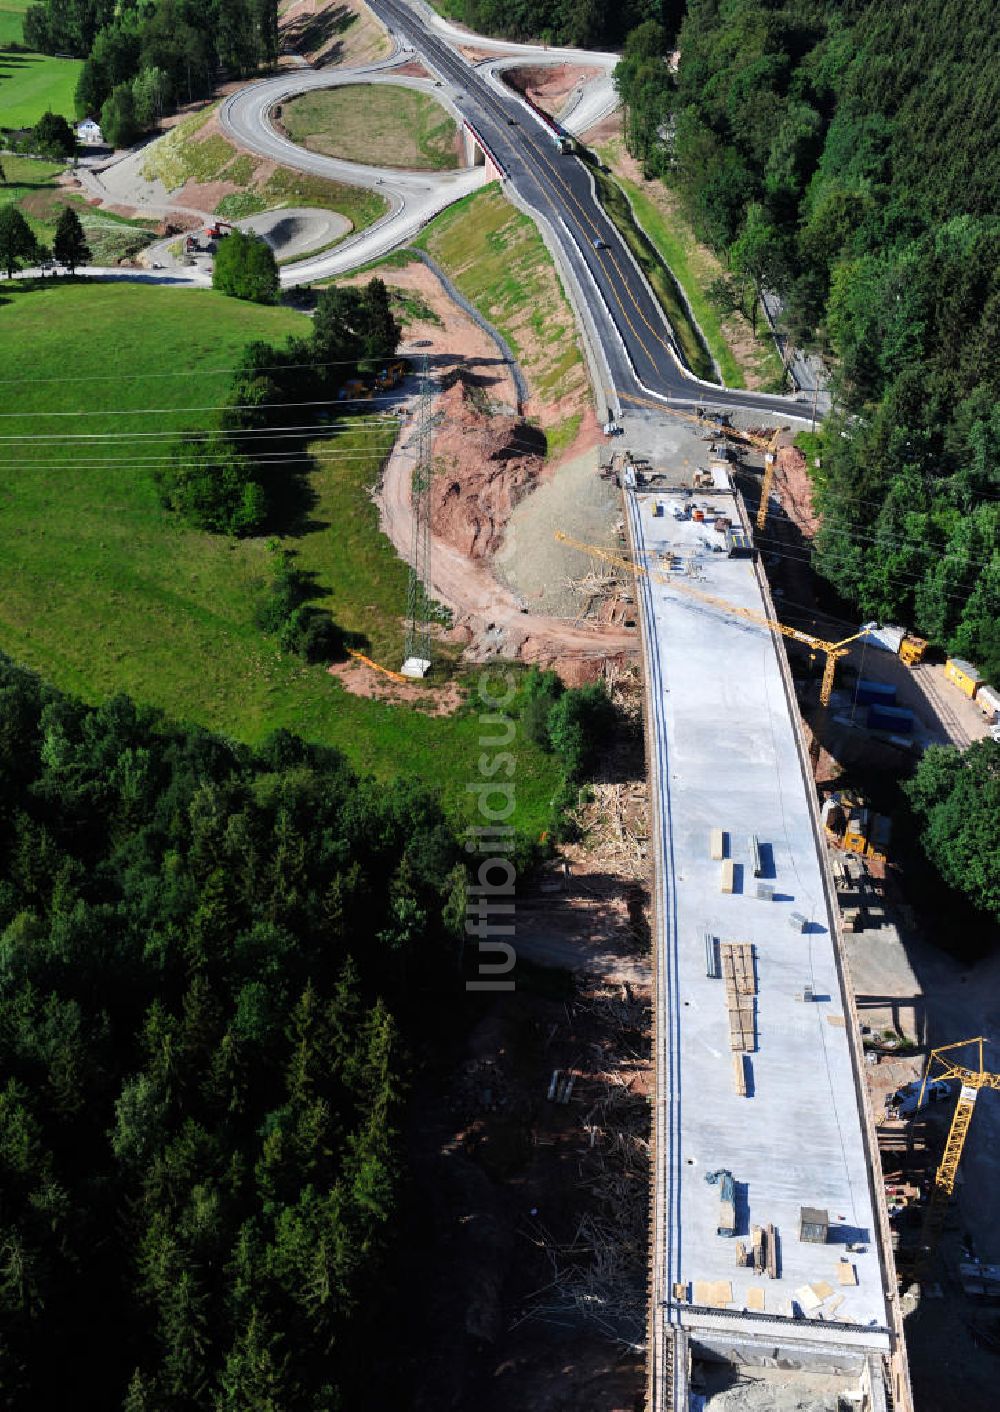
(736, 958)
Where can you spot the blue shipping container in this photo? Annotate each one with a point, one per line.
(896, 719)
(870, 693)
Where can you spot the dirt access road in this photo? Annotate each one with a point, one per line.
(490, 614)
(489, 619)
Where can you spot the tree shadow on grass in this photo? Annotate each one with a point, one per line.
(285, 467)
(318, 637)
(312, 33)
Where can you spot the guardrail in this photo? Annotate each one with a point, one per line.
(901, 1390)
(487, 149)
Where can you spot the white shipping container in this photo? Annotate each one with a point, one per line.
(887, 638)
(988, 701)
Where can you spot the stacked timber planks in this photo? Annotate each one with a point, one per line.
(736, 959)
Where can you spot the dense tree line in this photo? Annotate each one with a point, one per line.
(847, 154)
(591, 24)
(223, 483)
(143, 56)
(210, 955)
(575, 725)
(955, 797)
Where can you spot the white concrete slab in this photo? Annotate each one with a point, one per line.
(724, 751)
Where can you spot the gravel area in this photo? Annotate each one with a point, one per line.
(576, 500)
(125, 184)
(294, 231)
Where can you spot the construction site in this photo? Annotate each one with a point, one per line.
(769, 1234)
(785, 1182)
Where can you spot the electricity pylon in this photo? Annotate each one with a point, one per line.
(417, 654)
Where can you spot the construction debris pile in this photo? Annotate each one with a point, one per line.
(599, 1273)
(606, 592)
(613, 815)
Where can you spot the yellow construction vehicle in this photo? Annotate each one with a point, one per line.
(943, 1064)
(912, 649)
(832, 650)
(390, 376)
(849, 823)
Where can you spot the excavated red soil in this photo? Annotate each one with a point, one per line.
(361, 680)
(794, 488)
(549, 85)
(483, 465)
(413, 68)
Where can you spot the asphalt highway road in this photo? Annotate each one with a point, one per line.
(636, 340)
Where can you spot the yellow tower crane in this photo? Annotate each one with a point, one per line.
(832, 650)
(768, 445)
(770, 462)
(942, 1064)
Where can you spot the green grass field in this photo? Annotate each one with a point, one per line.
(31, 83)
(31, 185)
(12, 21)
(185, 154)
(383, 124)
(498, 260)
(102, 591)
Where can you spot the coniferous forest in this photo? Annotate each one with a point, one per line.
(210, 956)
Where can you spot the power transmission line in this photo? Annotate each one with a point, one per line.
(202, 372)
(418, 589)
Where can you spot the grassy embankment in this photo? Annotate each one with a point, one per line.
(102, 591)
(695, 267)
(31, 83)
(381, 124)
(342, 32)
(451, 9)
(188, 154)
(31, 186)
(496, 257)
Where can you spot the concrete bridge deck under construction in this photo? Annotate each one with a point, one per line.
(757, 1077)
